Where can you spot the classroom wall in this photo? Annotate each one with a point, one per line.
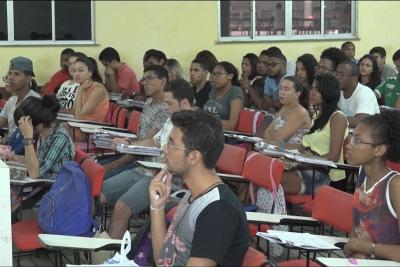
(182, 28)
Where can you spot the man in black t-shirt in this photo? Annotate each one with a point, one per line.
(199, 79)
(209, 227)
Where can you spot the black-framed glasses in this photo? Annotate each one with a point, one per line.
(354, 142)
(172, 146)
(149, 78)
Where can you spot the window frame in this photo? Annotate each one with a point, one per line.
(353, 35)
(11, 38)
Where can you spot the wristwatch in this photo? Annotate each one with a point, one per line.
(28, 141)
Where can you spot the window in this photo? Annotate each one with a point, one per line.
(46, 22)
(286, 20)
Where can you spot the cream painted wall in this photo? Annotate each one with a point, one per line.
(182, 28)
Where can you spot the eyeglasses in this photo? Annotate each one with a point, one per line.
(172, 146)
(354, 142)
(149, 78)
(217, 74)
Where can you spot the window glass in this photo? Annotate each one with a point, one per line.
(270, 18)
(73, 20)
(337, 17)
(3, 21)
(235, 18)
(306, 17)
(32, 20)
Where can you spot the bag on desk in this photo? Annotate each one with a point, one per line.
(67, 208)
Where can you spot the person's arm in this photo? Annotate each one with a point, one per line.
(3, 122)
(110, 80)
(267, 102)
(236, 106)
(353, 121)
(382, 251)
(254, 96)
(295, 121)
(159, 191)
(31, 160)
(98, 94)
(338, 126)
(192, 261)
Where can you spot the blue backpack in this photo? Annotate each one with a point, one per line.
(67, 208)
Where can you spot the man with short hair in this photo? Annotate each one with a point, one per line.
(154, 57)
(357, 101)
(390, 89)
(386, 71)
(209, 227)
(119, 77)
(349, 51)
(329, 61)
(60, 76)
(276, 72)
(128, 191)
(19, 78)
(199, 80)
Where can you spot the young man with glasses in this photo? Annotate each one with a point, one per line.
(128, 191)
(209, 227)
(329, 61)
(357, 101)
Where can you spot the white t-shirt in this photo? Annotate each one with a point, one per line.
(363, 100)
(66, 94)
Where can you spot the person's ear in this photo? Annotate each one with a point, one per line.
(194, 158)
(380, 150)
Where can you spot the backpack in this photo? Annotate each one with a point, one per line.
(16, 141)
(66, 209)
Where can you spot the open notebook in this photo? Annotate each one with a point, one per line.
(139, 150)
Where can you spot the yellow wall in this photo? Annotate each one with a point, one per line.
(182, 28)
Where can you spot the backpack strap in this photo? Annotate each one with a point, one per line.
(82, 160)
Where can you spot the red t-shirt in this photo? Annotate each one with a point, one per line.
(55, 82)
(127, 81)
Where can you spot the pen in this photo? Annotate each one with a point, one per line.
(162, 180)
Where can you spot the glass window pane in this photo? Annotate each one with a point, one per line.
(337, 17)
(235, 18)
(270, 18)
(32, 20)
(73, 20)
(3, 21)
(306, 17)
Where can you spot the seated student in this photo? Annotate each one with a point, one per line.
(376, 205)
(385, 70)
(211, 59)
(91, 102)
(248, 75)
(128, 191)
(226, 98)
(199, 80)
(154, 57)
(67, 92)
(369, 72)
(329, 61)
(349, 50)
(19, 79)
(209, 227)
(356, 100)
(174, 69)
(60, 76)
(119, 77)
(305, 69)
(390, 89)
(292, 120)
(255, 91)
(325, 138)
(276, 72)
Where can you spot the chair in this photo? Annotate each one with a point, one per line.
(118, 118)
(393, 165)
(231, 160)
(111, 108)
(249, 120)
(253, 258)
(134, 120)
(25, 233)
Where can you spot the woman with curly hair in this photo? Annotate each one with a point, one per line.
(376, 205)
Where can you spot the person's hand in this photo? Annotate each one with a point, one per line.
(159, 189)
(14, 157)
(244, 84)
(25, 126)
(108, 71)
(118, 141)
(86, 84)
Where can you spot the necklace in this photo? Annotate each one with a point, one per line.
(205, 191)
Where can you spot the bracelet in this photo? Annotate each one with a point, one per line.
(152, 208)
(28, 141)
(372, 251)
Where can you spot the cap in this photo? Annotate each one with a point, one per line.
(22, 64)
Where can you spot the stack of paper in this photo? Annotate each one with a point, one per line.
(300, 240)
(139, 150)
(18, 171)
(130, 103)
(115, 96)
(312, 160)
(103, 138)
(275, 151)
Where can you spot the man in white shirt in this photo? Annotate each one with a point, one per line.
(356, 100)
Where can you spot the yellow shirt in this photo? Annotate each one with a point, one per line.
(319, 141)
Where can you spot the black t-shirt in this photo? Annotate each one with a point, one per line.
(202, 95)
